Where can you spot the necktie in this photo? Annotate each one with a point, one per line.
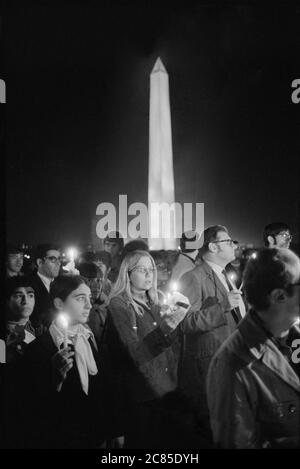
(235, 311)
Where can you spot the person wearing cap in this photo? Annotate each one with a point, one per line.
(114, 244)
(186, 258)
(216, 309)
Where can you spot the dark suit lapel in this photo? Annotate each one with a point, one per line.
(42, 286)
(47, 344)
(214, 279)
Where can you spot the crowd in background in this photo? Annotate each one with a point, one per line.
(193, 349)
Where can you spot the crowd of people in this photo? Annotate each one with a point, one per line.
(113, 353)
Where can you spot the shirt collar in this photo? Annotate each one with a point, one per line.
(215, 267)
(188, 257)
(46, 280)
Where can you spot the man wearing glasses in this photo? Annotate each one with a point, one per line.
(216, 309)
(48, 262)
(253, 383)
(278, 235)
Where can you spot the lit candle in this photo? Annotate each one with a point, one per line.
(63, 322)
(232, 277)
(72, 253)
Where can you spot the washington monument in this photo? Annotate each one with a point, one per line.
(161, 175)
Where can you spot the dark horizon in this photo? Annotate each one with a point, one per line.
(78, 102)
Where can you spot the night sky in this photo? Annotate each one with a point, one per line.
(78, 102)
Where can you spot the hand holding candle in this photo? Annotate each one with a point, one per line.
(72, 254)
(173, 311)
(70, 266)
(174, 298)
(177, 299)
(173, 287)
(63, 322)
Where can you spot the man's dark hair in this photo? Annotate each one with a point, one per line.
(13, 283)
(265, 273)
(12, 249)
(41, 250)
(104, 257)
(88, 256)
(63, 285)
(134, 245)
(88, 270)
(273, 229)
(115, 237)
(210, 234)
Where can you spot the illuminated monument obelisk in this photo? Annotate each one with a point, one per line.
(161, 175)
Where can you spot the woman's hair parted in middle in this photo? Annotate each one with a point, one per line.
(123, 284)
(63, 285)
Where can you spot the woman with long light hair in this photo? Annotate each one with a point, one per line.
(124, 285)
(138, 353)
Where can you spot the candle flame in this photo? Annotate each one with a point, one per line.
(63, 320)
(72, 253)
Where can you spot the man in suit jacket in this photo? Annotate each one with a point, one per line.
(216, 309)
(48, 261)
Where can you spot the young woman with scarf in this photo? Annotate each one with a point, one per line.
(64, 387)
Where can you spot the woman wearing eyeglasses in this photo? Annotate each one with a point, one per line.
(138, 355)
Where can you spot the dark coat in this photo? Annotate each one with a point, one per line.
(41, 314)
(253, 392)
(207, 325)
(15, 341)
(65, 419)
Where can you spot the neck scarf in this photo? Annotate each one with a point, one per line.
(84, 357)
